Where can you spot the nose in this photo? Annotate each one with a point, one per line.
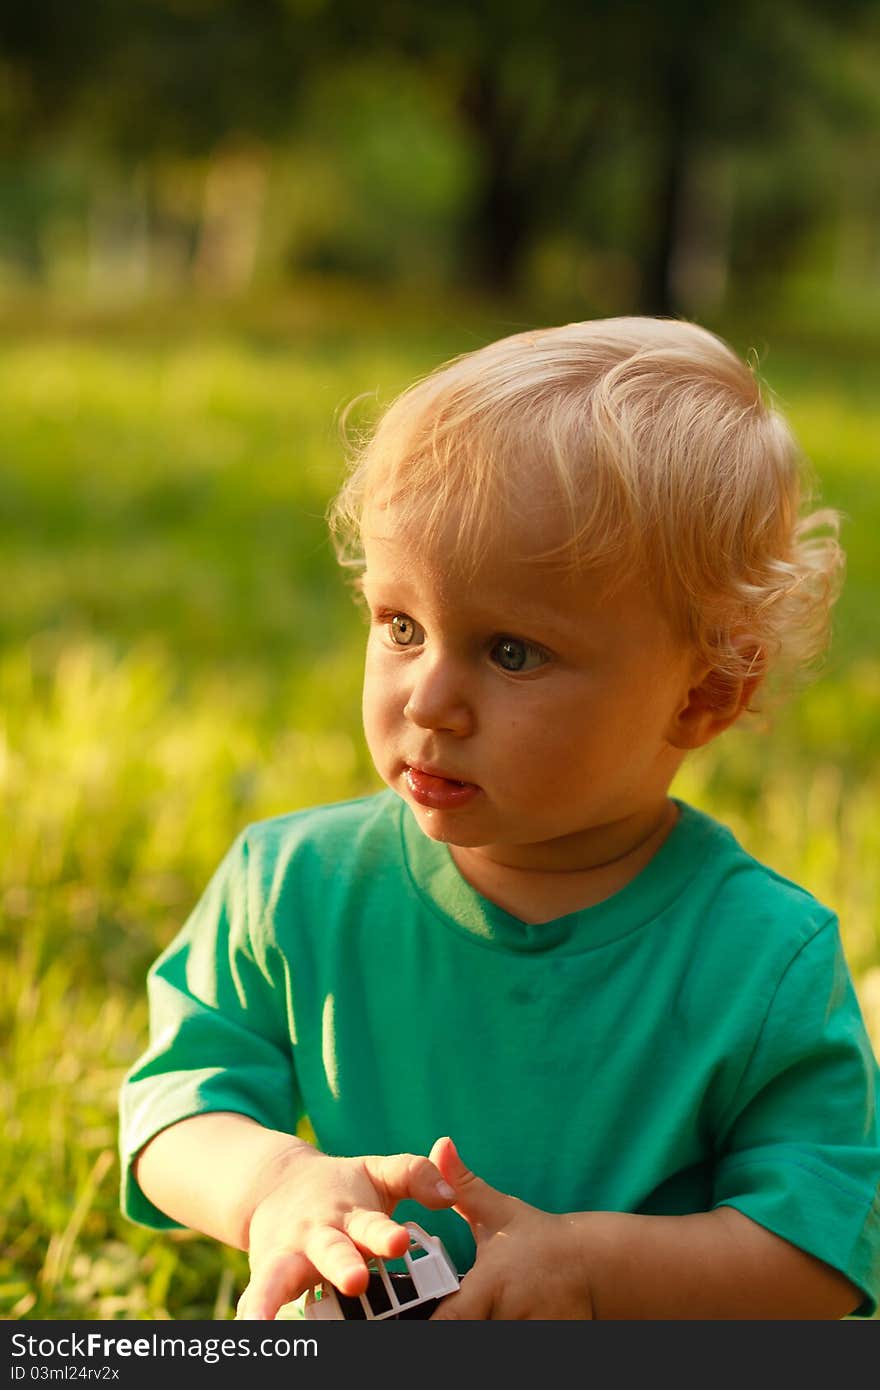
(438, 700)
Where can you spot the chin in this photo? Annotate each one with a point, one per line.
(441, 826)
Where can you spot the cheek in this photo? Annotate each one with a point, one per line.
(546, 745)
(376, 724)
(382, 700)
(575, 736)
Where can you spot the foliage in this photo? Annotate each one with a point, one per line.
(612, 129)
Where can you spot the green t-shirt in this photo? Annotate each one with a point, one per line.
(692, 1041)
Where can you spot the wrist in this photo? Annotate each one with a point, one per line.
(600, 1245)
(279, 1155)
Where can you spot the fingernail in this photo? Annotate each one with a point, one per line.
(444, 1190)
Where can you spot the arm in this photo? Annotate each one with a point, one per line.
(208, 1172)
(302, 1216)
(716, 1264)
(613, 1266)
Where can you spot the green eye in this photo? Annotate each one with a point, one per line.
(511, 654)
(403, 630)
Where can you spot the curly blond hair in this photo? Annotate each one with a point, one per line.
(661, 449)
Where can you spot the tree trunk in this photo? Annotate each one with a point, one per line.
(499, 225)
(675, 116)
(232, 217)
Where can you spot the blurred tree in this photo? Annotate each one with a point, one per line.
(143, 76)
(144, 83)
(549, 97)
(543, 89)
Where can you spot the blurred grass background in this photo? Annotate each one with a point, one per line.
(187, 302)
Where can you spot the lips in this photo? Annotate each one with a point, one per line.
(432, 788)
(430, 770)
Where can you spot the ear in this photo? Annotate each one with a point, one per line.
(714, 702)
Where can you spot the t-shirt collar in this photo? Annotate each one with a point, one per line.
(438, 881)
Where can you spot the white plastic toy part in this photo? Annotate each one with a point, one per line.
(429, 1273)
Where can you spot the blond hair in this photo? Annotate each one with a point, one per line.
(656, 442)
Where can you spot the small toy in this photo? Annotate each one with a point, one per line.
(429, 1277)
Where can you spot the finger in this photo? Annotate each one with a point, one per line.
(482, 1206)
(336, 1258)
(474, 1301)
(376, 1234)
(410, 1175)
(274, 1283)
(443, 1153)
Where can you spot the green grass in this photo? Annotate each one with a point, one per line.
(180, 656)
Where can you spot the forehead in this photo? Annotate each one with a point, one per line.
(449, 555)
(465, 538)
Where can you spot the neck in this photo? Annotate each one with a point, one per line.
(585, 852)
(561, 876)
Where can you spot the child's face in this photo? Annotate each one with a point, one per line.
(553, 706)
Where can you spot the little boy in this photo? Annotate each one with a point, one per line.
(581, 554)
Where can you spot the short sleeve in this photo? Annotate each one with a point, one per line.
(801, 1152)
(219, 1033)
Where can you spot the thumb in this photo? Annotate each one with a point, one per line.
(483, 1207)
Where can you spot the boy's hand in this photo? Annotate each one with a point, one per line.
(530, 1264)
(323, 1218)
